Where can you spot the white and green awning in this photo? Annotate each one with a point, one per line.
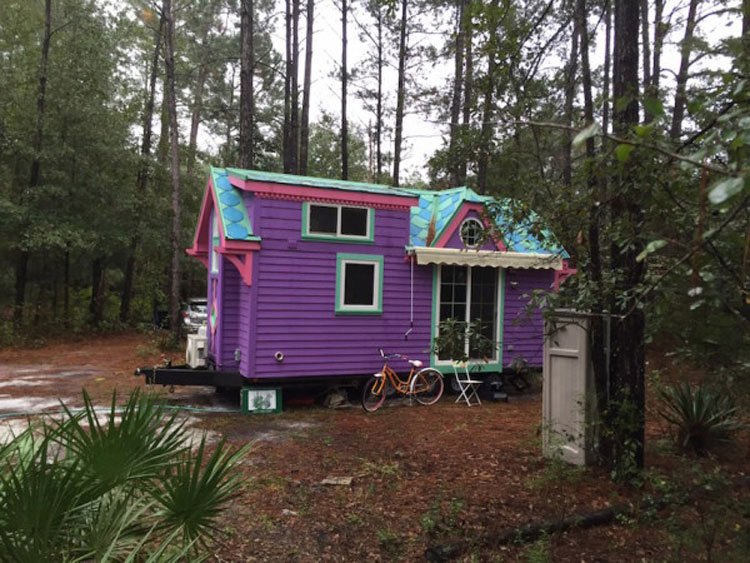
(495, 259)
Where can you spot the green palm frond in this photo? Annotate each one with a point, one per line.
(193, 496)
(138, 442)
(125, 489)
(703, 417)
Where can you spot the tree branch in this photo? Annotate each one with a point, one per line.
(623, 141)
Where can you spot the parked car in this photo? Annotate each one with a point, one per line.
(194, 314)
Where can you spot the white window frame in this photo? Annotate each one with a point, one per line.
(338, 235)
(479, 237)
(342, 261)
(467, 315)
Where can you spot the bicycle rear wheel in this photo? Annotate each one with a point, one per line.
(373, 393)
(427, 386)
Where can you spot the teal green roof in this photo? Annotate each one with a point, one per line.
(231, 208)
(518, 236)
(443, 205)
(273, 177)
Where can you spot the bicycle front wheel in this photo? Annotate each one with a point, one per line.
(427, 386)
(373, 393)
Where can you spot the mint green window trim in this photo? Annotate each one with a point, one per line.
(496, 365)
(342, 259)
(214, 243)
(338, 237)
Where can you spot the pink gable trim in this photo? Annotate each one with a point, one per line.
(562, 275)
(241, 246)
(202, 256)
(308, 193)
(455, 224)
(242, 261)
(201, 240)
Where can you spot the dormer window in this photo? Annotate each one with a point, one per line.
(472, 232)
(337, 223)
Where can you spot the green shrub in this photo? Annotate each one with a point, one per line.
(703, 418)
(128, 489)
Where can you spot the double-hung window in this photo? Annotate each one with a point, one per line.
(359, 284)
(337, 223)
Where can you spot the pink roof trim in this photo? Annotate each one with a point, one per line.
(285, 191)
(459, 218)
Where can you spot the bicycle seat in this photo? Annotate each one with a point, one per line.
(416, 363)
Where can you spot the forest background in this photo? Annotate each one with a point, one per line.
(624, 124)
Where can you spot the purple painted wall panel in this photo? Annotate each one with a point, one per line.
(456, 242)
(233, 314)
(296, 285)
(523, 334)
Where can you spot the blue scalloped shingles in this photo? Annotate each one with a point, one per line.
(229, 198)
(222, 182)
(233, 215)
(235, 231)
(232, 208)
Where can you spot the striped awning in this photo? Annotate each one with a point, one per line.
(495, 259)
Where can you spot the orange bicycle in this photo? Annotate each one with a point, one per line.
(425, 385)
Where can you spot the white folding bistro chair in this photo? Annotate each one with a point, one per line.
(467, 386)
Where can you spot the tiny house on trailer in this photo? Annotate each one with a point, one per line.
(308, 277)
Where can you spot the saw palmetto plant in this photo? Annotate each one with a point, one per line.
(127, 484)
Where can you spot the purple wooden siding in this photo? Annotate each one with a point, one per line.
(296, 284)
(232, 314)
(455, 240)
(523, 335)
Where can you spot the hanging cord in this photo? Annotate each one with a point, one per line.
(411, 297)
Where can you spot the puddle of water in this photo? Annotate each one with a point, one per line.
(26, 405)
(24, 382)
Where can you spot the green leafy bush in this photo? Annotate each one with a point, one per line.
(453, 334)
(703, 418)
(130, 488)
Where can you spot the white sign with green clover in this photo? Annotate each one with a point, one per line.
(257, 401)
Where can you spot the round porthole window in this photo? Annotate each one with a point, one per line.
(472, 232)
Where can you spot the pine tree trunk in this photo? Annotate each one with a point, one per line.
(162, 148)
(195, 117)
(488, 107)
(96, 305)
(680, 96)
(142, 175)
(594, 266)
(606, 103)
(247, 90)
(287, 133)
(229, 116)
(379, 106)
(625, 416)
(468, 92)
(294, 121)
(400, 95)
(66, 289)
(659, 31)
(646, 64)
(455, 132)
(570, 92)
(344, 81)
(174, 290)
(22, 260)
(304, 141)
